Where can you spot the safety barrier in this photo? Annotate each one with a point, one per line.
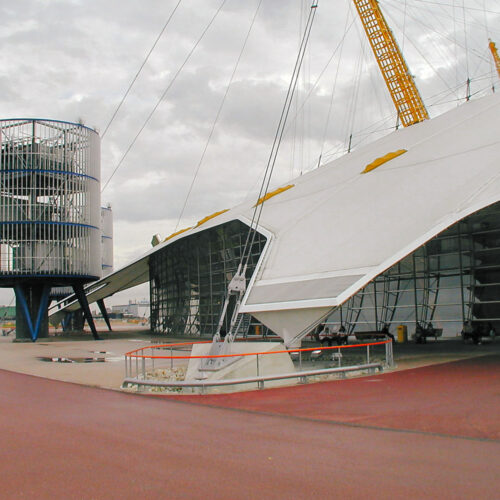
(140, 364)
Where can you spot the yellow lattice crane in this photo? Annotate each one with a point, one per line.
(496, 58)
(404, 92)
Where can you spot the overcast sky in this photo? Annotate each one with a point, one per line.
(74, 59)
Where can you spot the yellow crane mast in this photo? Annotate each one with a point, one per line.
(495, 55)
(399, 81)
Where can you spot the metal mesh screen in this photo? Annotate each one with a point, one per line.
(49, 199)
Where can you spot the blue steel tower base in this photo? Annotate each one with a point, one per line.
(32, 302)
(31, 311)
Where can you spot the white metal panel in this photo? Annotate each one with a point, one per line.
(107, 240)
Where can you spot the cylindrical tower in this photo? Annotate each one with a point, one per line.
(49, 213)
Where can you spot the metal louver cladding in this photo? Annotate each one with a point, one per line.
(49, 200)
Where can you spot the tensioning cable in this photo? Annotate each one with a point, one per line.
(145, 60)
(237, 286)
(219, 110)
(162, 97)
(277, 138)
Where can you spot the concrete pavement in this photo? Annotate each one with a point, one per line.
(66, 441)
(27, 357)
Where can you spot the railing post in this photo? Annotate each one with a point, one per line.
(126, 366)
(143, 363)
(300, 360)
(171, 359)
(258, 370)
(389, 356)
(367, 354)
(136, 366)
(152, 361)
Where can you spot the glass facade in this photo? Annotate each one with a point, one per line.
(453, 278)
(189, 279)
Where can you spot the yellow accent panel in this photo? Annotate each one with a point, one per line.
(178, 232)
(208, 217)
(496, 57)
(274, 193)
(383, 159)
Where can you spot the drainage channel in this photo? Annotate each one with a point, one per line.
(96, 358)
(71, 360)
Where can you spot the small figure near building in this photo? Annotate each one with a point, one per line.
(385, 331)
(325, 336)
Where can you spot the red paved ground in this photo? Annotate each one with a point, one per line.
(460, 398)
(60, 440)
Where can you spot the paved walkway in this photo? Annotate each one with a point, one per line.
(27, 357)
(426, 432)
(65, 441)
(459, 398)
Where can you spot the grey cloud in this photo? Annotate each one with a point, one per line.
(74, 59)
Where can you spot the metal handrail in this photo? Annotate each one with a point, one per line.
(248, 380)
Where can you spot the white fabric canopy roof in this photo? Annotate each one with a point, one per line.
(338, 228)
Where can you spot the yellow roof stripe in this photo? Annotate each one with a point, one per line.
(383, 159)
(176, 233)
(273, 193)
(208, 217)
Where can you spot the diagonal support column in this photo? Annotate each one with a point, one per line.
(82, 299)
(104, 313)
(34, 329)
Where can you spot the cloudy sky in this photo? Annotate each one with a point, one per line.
(73, 60)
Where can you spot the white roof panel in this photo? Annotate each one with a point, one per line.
(337, 228)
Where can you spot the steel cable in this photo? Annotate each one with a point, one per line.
(207, 27)
(140, 69)
(221, 105)
(247, 249)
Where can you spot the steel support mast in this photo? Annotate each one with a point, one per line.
(399, 81)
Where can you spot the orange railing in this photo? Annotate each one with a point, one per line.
(140, 364)
(135, 352)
